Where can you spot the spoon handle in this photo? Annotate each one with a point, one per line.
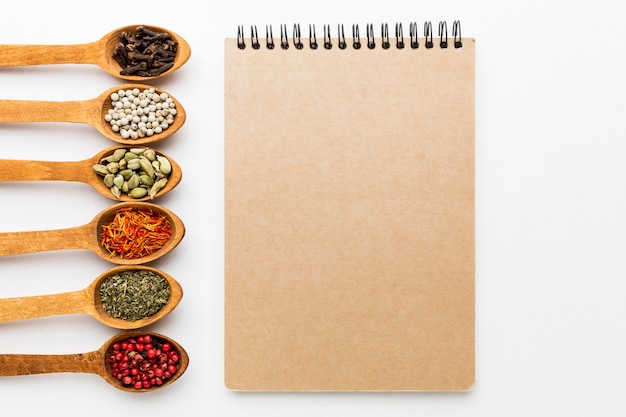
(21, 308)
(16, 170)
(13, 364)
(15, 243)
(46, 111)
(22, 55)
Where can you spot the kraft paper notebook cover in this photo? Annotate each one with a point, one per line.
(349, 212)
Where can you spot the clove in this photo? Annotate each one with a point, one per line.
(134, 69)
(146, 53)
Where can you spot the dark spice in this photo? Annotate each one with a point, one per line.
(145, 53)
(134, 295)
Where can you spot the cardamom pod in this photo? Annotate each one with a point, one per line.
(116, 191)
(126, 173)
(108, 180)
(150, 154)
(165, 165)
(146, 166)
(156, 187)
(113, 167)
(133, 181)
(117, 155)
(138, 192)
(130, 155)
(133, 164)
(100, 169)
(118, 180)
(146, 180)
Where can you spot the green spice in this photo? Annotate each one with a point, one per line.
(134, 295)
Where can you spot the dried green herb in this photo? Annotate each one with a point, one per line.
(134, 295)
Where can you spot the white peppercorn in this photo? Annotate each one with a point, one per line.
(135, 114)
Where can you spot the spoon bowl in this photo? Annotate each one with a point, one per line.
(87, 301)
(96, 362)
(98, 53)
(89, 236)
(81, 171)
(90, 111)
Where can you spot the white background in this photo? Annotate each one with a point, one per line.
(550, 201)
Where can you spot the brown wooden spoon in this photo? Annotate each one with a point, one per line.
(89, 236)
(86, 111)
(96, 362)
(98, 53)
(86, 301)
(80, 171)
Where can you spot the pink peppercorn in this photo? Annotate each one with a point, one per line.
(156, 363)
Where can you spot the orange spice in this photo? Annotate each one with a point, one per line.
(134, 233)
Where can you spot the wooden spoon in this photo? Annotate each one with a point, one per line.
(99, 53)
(79, 171)
(96, 362)
(87, 111)
(88, 236)
(87, 301)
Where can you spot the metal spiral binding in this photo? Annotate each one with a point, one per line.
(269, 37)
(399, 36)
(384, 34)
(312, 37)
(413, 34)
(296, 39)
(356, 38)
(342, 37)
(456, 33)
(370, 36)
(428, 35)
(327, 41)
(443, 29)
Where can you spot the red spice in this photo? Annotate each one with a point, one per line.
(134, 233)
(143, 362)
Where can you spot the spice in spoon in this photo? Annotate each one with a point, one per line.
(136, 114)
(136, 172)
(145, 52)
(134, 295)
(135, 233)
(143, 362)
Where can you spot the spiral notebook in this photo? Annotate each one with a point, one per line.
(349, 209)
